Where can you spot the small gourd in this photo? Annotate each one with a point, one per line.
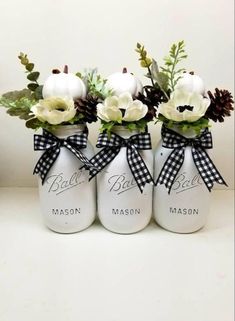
(64, 84)
(121, 82)
(191, 83)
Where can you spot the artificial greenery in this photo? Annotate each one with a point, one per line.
(145, 61)
(176, 55)
(18, 103)
(32, 76)
(197, 126)
(95, 83)
(139, 125)
(165, 77)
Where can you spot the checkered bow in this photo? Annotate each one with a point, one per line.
(111, 147)
(52, 144)
(203, 162)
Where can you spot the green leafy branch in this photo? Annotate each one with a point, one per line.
(95, 83)
(139, 125)
(145, 61)
(18, 103)
(32, 76)
(158, 79)
(176, 55)
(196, 126)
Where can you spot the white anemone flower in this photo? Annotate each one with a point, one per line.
(184, 106)
(111, 109)
(54, 110)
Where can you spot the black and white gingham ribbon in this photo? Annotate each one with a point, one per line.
(203, 162)
(111, 147)
(52, 144)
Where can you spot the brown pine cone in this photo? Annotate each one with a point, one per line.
(151, 97)
(221, 105)
(87, 107)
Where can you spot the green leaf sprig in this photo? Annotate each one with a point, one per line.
(158, 79)
(145, 61)
(139, 125)
(196, 126)
(32, 76)
(176, 55)
(95, 83)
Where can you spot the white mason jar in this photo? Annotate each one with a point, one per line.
(122, 208)
(186, 208)
(67, 197)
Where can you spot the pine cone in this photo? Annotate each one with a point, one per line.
(151, 97)
(87, 107)
(221, 105)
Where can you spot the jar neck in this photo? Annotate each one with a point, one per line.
(64, 131)
(189, 133)
(124, 132)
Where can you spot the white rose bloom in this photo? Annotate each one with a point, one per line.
(184, 106)
(54, 110)
(110, 110)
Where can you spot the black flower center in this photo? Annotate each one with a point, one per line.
(181, 109)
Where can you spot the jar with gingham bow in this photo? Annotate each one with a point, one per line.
(67, 198)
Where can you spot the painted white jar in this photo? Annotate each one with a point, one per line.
(186, 208)
(122, 208)
(67, 197)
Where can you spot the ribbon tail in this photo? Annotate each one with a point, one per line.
(171, 168)
(101, 160)
(83, 159)
(138, 168)
(45, 163)
(206, 168)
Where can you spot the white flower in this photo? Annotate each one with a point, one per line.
(54, 110)
(184, 106)
(110, 110)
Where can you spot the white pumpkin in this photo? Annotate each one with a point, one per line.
(191, 83)
(121, 82)
(64, 84)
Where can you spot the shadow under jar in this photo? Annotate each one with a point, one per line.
(67, 197)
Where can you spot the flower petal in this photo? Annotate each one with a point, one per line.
(124, 100)
(111, 101)
(135, 111)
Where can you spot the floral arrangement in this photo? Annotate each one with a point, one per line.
(127, 105)
(63, 99)
(180, 97)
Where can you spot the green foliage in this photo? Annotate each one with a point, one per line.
(95, 83)
(78, 118)
(139, 125)
(196, 126)
(145, 61)
(18, 103)
(176, 55)
(32, 75)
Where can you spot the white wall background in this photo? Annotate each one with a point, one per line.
(104, 33)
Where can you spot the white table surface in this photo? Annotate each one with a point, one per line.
(96, 275)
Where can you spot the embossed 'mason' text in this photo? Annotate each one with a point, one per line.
(65, 211)
(184, 211)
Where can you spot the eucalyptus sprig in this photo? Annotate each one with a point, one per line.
(32, 76)
(176, 55)
(18, 103)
